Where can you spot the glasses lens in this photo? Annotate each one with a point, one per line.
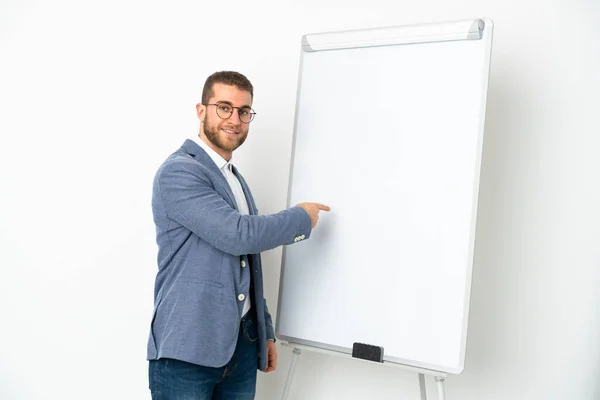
(246, 114)
(224, 110)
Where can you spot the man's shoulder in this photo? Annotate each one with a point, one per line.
(178, 160)
(178, 157)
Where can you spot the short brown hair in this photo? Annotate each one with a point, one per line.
(230, 78)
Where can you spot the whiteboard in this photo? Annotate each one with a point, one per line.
(389, 133)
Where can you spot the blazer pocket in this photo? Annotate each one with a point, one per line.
(203, 293)
(202, 282)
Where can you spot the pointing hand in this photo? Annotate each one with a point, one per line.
(313, 210)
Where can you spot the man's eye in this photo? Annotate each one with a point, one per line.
(244, 112)
(225, 108)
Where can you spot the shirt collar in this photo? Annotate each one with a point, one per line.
(216, 157)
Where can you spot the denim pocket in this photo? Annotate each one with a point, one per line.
(250, 331)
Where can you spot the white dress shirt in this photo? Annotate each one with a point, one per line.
(234, 183)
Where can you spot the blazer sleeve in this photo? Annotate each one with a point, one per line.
(269, 323)
(190, 199)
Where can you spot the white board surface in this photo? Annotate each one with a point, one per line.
(390, 137)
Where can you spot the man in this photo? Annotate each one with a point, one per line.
(211, 329)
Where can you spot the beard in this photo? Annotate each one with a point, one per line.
(213, 134)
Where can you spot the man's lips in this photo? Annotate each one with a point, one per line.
(230, 131)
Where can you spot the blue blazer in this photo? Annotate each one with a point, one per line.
(207, 252)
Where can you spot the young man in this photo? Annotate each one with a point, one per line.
(211, 329)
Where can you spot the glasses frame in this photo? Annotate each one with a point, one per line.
(252, 112)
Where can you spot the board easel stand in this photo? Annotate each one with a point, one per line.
(440, 377)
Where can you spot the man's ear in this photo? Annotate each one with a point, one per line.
(200, 111)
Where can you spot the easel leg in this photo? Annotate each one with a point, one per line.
(440, 386)
(422, 387)
(288, 382)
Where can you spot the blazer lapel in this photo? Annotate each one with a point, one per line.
(251, 205)
(204, 159)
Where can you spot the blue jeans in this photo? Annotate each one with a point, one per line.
(178, 380)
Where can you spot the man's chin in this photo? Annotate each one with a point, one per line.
(233, 143)
(230, 145)
(227, 143)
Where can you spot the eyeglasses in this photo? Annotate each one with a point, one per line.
(225, 111)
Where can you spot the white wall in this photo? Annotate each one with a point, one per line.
(94, 95)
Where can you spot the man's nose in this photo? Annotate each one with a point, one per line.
(235, 117)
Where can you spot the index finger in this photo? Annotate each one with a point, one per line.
(323, 207)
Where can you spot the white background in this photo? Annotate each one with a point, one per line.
(94, 95)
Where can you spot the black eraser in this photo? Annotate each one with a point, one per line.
(367, 352)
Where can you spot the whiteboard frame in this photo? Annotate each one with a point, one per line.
(486, 27)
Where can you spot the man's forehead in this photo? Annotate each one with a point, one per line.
(231, 93)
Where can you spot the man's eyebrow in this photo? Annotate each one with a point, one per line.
(231, 104)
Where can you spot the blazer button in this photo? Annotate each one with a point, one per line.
(241, 297)
(243, 263)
